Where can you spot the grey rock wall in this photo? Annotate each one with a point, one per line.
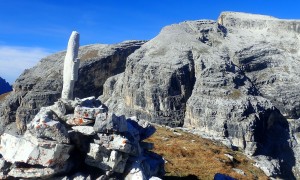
(235, 79)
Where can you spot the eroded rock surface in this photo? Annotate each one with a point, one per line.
(33, 150)
(234, 79)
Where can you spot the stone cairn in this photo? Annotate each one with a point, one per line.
(79, 139)
(75, 136)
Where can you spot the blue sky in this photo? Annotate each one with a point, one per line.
(32, 29)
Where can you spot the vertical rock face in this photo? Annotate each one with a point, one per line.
(42, 85)
(71, 66)
(4, 86)
(235, 79)
(157, 82)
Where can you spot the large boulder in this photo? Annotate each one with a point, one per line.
(34, 151)
(46, 125)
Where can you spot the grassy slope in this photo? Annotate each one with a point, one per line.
(191, 157)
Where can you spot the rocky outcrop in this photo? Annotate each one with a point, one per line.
(42, 85)
(235, 79)
(4, 86)
(53, 147)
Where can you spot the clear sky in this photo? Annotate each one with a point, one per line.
(31, 29)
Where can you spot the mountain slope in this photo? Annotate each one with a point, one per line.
(191, 157)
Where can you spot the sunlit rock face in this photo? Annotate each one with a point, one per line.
(236, 78)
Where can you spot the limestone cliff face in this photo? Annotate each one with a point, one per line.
(42, 85)
(235, 79)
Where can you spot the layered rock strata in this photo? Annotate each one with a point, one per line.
(235, 79)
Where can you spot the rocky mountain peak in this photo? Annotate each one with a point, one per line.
(250, 22)
(235, 80)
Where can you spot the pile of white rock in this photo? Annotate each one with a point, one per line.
(80, 139)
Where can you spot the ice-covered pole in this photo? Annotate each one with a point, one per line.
(71, 66)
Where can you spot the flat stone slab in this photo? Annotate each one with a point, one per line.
(36, 172)
(86, 130)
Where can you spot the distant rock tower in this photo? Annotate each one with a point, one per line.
(71, 66)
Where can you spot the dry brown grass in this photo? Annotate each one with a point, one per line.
(188, 155)
(235, 94)
(2, 96)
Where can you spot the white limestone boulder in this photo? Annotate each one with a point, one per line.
(111, 123)
(45, 126)
(114, 142)
(108, 160)
(135, 172)
(88, 113)
(59, 108)
(33, 151)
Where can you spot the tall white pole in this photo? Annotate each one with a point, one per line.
(71, 66)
